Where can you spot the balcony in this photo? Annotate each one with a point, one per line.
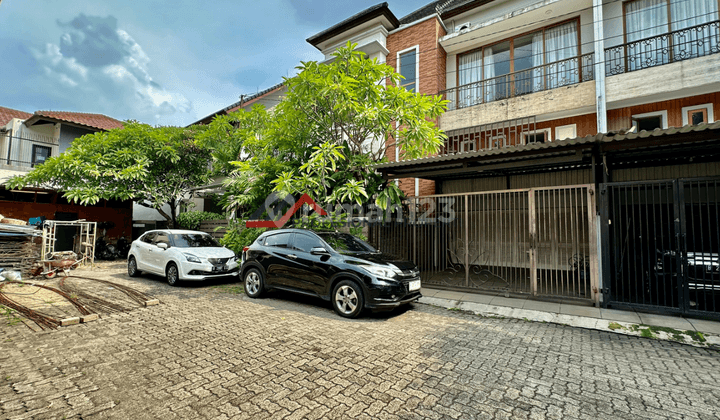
(496, 135)
(537, 79)
(671, 47)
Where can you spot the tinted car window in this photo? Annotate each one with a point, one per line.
(149, 238)
(281, 240)
(162, 238)
(344, 243)
(194, 240)
(306, 243)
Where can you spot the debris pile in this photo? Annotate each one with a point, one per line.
(19, 249)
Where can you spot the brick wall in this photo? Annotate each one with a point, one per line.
(120, 213)
(432, 60)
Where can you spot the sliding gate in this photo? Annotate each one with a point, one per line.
(661, 242)
(533, 241)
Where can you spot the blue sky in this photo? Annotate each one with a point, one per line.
(159, 62)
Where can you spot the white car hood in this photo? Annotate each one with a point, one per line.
(208, 252)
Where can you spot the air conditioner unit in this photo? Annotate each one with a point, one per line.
(462, 27)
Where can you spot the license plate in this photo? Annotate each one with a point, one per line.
(414, 285)
(220, 268)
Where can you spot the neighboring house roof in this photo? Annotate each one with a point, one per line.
(246, 101)
(93, 121)
(7, 114)
(370, 13)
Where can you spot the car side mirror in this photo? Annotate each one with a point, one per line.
(319, 251)
(162, 245)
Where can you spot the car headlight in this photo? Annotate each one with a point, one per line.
(192, 258)
(381, 272)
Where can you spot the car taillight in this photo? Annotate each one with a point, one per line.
(246, 248)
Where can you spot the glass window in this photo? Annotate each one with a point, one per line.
(408, 63)
(40, 154)
(533, 62)
(280, 240)
(345, 243)
(149, 238)
(697, 116)
(647, 22)
(648, 123)
(194, 240)
(306, 243)
(162, 238)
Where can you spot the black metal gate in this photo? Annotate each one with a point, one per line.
(661, 245)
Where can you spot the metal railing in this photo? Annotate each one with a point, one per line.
(670, 47)
(21, 151)
(537, 79)
(539, 241)
(490, 136)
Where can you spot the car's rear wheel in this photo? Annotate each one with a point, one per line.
(132, 267)
(172, 275)
(254, 284)
(348, 299)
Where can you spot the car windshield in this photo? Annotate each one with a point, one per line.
(194, 240)
(346, 244)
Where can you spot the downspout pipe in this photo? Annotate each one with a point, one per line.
(601, 100)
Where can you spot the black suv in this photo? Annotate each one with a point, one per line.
(334, 266)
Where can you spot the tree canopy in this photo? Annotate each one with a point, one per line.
(152, 165)
(335, 121)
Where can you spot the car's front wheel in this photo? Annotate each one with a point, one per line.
(254, 283)
(132, 267)
(172, 275)
(348, 299)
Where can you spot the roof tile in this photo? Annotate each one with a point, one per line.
(99, 121)
(7, 114)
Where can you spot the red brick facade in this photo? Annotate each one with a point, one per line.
(431, 76)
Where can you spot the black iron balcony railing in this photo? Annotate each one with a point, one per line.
(670, 47)
(516, 132)
(537, 79)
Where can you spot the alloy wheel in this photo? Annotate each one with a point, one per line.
(346, 299)
(252, 283)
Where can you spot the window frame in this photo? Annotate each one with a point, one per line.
(547, 131)
(36, 147)
(662, 114)
(557, 136)
(398, 66)
(512, 52)
(708, 108)
(669, 15)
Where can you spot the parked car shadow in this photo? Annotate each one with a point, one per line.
(279, 299)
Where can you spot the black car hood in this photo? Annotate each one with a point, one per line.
(380, 258)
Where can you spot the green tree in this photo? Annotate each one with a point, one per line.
(336, 121)
(152, 165)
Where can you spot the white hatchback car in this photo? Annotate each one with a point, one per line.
(181, 255)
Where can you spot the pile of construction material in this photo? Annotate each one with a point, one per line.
(19, 245)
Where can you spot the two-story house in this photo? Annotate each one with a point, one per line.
(27, 140)
(581, 146)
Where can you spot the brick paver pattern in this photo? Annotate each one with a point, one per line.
(208, 355)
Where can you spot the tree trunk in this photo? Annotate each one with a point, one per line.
(173, 206)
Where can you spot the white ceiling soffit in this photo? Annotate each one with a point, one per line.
(485, 29)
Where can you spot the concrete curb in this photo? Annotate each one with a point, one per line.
(657, 332)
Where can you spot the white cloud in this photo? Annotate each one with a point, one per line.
(96, 58)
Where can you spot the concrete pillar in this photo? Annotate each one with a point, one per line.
(600, 66)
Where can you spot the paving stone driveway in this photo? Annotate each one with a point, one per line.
(203, 354)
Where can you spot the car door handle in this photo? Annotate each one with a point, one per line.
(293, 256)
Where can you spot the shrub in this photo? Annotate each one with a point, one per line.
(238, 236)
(192, 219)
